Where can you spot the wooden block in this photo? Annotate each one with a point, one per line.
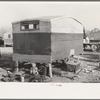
(73, 66)
(50, 70)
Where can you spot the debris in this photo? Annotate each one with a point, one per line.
(3, 72)
(56, 71)
(5, 79)
(19, 73)
(63, 73)
(71, 76)
(35, 78)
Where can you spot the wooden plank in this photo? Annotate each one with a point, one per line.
(31, 58)
(50, 70)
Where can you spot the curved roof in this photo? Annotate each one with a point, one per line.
(43, 18)
(47, 18)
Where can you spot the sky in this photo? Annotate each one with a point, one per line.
(88, 13)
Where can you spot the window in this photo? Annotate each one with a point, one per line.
(9, 35)
(33, 25)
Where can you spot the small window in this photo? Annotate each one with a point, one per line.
(29, 26)
(24, 27)
(9, 35)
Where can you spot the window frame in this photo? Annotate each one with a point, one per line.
(9, 36)
(36, 22)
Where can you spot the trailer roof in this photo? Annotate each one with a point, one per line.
(42, 18)
(46, 18)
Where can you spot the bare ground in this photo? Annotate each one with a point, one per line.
(89, 73)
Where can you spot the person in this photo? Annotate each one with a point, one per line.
(43, 72)
(35, 77)
(34, 70)
(87, 40)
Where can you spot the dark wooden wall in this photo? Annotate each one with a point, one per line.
(32, 43)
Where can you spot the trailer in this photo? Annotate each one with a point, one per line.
(93, 44)
(47, 39)
(92, 40)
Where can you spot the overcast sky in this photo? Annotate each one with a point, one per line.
(87, 13)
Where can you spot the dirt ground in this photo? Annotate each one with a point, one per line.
(89, 73)
(90, 70)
